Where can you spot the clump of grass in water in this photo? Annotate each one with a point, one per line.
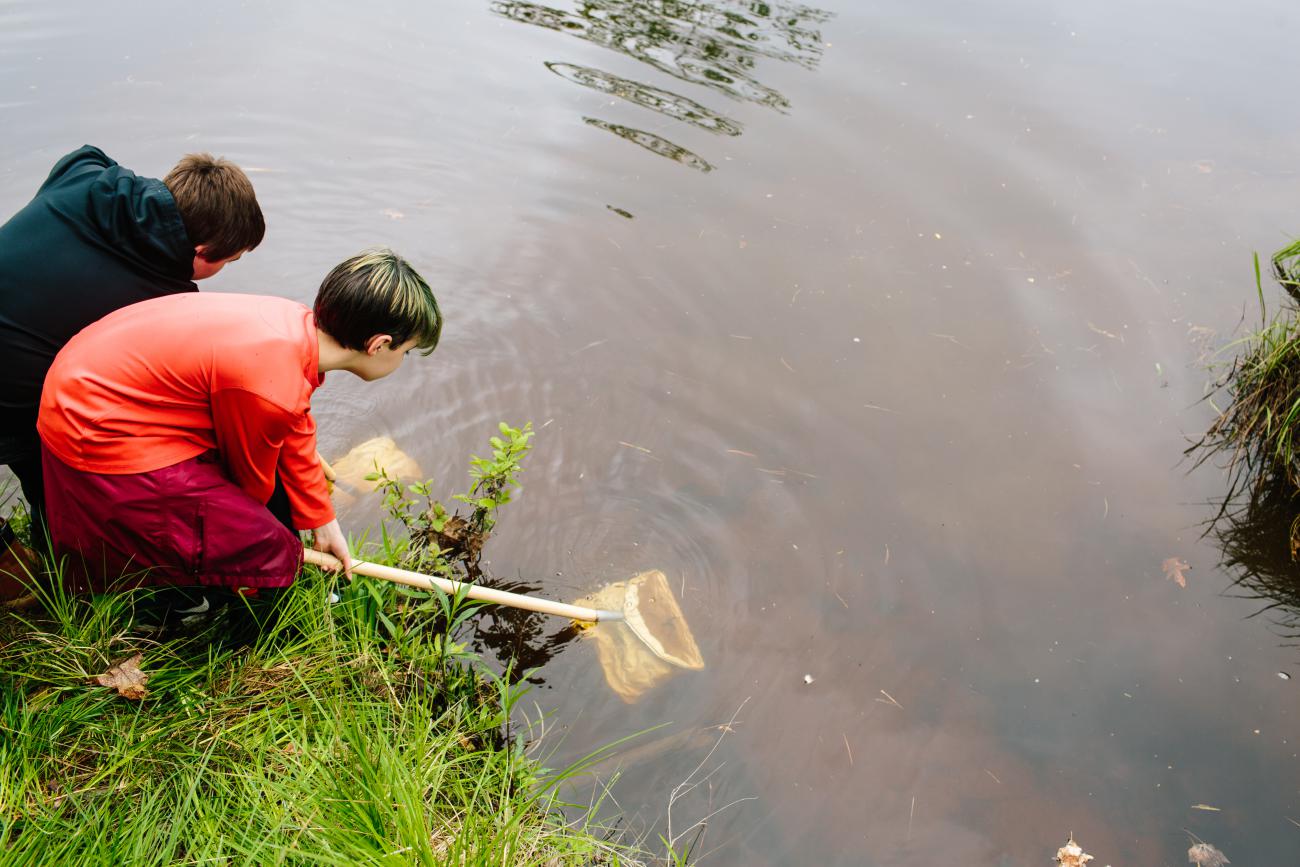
(361, 732)
(1286, 268)
(1259, 426)
(1258, 520)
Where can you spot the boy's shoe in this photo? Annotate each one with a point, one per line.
(176, 608)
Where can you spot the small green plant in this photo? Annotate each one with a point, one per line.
(439, 540)
(496, 479)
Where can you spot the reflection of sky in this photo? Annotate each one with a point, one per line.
(986, 548)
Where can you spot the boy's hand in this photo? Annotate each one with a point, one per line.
(331, 540)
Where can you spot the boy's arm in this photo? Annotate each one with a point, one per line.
(303, 476)
(256, 437)
(250, 432)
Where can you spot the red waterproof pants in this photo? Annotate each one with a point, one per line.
(181, 525)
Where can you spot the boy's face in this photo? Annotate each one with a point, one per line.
(381, 357)
(204, 269)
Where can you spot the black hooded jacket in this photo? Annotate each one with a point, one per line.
(95, 238)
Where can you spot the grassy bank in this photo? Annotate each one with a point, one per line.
(354, 733)
(287, 730)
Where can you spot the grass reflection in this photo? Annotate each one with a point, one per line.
(1259, 543)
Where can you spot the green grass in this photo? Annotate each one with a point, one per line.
(1286, 268)
(358, 733)
(1256, 393)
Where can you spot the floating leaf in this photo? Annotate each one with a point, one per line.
(1205, 855)
(1174, 567)
(127, 678)
(1072, 854)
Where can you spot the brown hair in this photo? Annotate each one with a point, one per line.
(217, 205)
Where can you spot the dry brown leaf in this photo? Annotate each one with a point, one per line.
(1072, 854)
(1174, 567)
(1205, 855)
(127, 678)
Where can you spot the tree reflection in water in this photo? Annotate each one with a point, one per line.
(663, 101)
(653, 143)
(1257, 539)
(712, 44)
(525, 640)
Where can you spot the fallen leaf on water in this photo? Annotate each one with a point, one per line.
(1206, 807)
(127, 678)
(1072, 854)
(1174, 567)
(1205, 855)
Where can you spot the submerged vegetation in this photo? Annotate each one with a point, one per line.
(294, 732)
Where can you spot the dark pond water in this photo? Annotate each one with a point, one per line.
(874, 325)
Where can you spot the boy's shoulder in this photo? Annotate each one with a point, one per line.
(263, 344)
(86, 159)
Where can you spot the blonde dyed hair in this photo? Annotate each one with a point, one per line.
(378, 292)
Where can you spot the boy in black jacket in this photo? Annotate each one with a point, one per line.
(97, 237)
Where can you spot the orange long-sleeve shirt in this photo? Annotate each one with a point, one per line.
(162, 381)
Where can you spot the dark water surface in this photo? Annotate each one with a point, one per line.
(875, 326)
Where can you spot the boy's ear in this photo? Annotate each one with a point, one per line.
(201, 250)
(378, 342)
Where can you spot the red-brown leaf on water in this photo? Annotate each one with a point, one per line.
(1205, 855)
(127, 678)
(1174, 568)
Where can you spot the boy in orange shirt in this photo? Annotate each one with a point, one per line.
(164, 425)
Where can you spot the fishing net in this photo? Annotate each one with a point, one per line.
(640, 652)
